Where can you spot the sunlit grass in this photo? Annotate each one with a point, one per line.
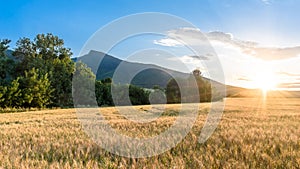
(251, 134)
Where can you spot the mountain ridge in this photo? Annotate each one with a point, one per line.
(108, 64)
(148, 76)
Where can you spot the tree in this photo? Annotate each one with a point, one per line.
(36, 89)
(48, 54)
(103, 92)
(103, 89)
(3, 90)
(6, 64)
(174, 92)
(204, 86)
(13, 95)
(138, 95)
(61, 81)
(4, 45)
(83, 85)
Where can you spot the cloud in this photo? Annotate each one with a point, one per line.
(273, 53)
(253, 49)
(193, 37)
(228, 38)
(190, 58)
(201, 57)
(289, 85)
(220, 36)
(244, 79)
(167, 42)
(183, 36)
(288, 74)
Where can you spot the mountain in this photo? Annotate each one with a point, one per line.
(156, 75)
(149, 75)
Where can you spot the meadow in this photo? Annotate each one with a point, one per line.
(253, 133)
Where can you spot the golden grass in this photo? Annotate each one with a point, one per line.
(252, 134)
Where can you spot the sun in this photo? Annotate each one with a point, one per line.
(265, 81)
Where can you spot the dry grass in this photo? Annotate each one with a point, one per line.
(251, 134)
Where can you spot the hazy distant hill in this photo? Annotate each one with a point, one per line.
(156, 75)
(150, 76)
(9, 54)
(253, 93)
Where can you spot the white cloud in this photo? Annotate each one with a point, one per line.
(190, 62)
(191, 58)
(193, 37)
(167, 42)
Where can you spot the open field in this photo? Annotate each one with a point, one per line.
(252, 134)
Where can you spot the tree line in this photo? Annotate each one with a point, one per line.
(192, 89)
(39, 74)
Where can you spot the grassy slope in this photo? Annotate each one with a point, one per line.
(252, 134)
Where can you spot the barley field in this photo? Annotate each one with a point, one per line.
(253, 133)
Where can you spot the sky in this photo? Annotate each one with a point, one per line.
(256, 41)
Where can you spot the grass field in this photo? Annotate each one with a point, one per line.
(252, 134)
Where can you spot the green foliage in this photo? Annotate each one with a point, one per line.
(204, 89)
(103, 88)
(36, 89)
(30, 90)
(6, 64)
(61, 81)
(4, 44)
(173, 92)
(138, 95)
(13, 95)
(103, 92)
(83, 85)
(48, 54)
(3, 90)
(201, 91)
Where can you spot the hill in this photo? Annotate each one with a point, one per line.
(155, 75)
(150, 75)
(232, 91)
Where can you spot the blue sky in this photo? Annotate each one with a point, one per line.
(273, 24)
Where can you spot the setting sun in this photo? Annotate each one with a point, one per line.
(265, 81)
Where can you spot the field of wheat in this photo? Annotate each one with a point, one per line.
(253, 133)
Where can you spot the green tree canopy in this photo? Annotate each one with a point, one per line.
(84, 85)
(36, 89)
(48, 54)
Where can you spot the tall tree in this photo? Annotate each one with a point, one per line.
(175, 95)
(173, 91)
(84, 85)
(103, 92)
(13, 95)
(48, 54)
(36, 89)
